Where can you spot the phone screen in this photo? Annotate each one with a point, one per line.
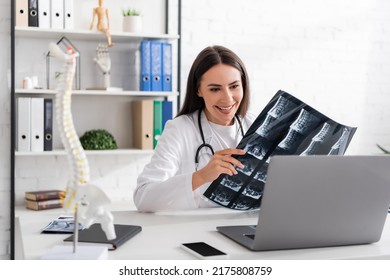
(204, 249)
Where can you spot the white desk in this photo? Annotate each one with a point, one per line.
(162, 234)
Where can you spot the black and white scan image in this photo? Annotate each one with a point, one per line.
(63, 224)
(286, 126)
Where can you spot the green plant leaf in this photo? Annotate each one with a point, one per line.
(130, 12)
(98, 139)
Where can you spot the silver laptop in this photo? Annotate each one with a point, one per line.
(318, 201)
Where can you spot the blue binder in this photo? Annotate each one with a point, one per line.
(156, 65)
(167, 67)
(166, 112)
(145, 66)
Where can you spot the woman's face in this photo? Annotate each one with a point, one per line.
(221, 89)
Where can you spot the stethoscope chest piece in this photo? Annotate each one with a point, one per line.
(204, 144)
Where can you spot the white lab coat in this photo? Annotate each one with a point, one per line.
(166, 182)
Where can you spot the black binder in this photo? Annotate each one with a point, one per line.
(48, 125)
(95, 235)
(33, 13)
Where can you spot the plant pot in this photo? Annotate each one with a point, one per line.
(132, 24)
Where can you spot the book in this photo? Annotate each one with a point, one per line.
(44, 204)
(286, 126)
(95, 235)
(44, 195)
(62, 224)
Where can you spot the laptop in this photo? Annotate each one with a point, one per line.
(319, 201)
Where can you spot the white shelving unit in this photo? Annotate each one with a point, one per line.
(120, 37)
(99, 92)
(92, 153)
(94, 99)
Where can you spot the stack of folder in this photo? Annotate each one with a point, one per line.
(149, 119)
(56, 14)
(156, 66)
(35, 124)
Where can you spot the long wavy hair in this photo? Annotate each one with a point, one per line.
(206, 59)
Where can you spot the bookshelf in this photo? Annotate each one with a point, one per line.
(86, 101)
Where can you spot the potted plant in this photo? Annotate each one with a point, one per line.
(98, 139)
(132, 21)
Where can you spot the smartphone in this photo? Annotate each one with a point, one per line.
(204, 251)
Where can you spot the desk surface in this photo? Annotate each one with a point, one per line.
(162, 233)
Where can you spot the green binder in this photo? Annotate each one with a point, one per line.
(157, 121)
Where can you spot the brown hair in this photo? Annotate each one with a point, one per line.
(206, 59)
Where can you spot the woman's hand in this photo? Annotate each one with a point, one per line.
(222, 162)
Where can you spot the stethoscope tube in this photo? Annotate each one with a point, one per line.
(204, 144)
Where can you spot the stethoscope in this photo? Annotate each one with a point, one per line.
(205, 145)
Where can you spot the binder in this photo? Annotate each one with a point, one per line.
(23, 123)
(156, 65)
(33, 13)
(68, 14)
(166, 112)
(21, 13)
(166, 67)
(57, 14)
(157, 121)
(37, 119)
(48, 125)
(142, 116)
(44, 13)
(145, 66)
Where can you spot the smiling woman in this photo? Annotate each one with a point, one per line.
(213, 118)
(222, 99)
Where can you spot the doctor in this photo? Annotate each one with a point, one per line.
(197, 146)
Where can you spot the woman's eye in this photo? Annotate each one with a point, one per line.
(234, 86)
(214, 89)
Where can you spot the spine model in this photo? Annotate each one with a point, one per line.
(78, 162)
(85, 199)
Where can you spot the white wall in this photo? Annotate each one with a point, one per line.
(334, 55)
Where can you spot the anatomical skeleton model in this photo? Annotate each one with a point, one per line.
(84, 199)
